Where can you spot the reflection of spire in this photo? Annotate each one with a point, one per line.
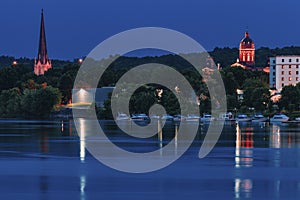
(42, 63)
(44, 142)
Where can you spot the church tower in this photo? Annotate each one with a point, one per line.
(247, 51)
(42, 63)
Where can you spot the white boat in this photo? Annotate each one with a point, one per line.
(192, 118)
(178, 118)
(122, 117)
(259, 118)
(243, 118)
(226, 116)
(157, 117)
(279, 118)
(167, 117)
(207, 118)
(140, 118)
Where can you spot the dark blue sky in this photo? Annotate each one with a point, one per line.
(75, 27)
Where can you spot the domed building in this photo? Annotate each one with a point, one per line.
(246, 58)
(247, 51)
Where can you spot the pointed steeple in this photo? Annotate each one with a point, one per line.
(42, 63)
(42, 54)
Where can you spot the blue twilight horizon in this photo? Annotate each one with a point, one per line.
(74, 28)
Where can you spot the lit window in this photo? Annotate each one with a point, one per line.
(290, 78)
(297, 79)
(290, 72)
(282, 67)
(282, 79)
(282, 73)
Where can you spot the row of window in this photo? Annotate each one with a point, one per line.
(290, 79)
(289, 72)
(283, 66)
(290, 66)
(283, 60)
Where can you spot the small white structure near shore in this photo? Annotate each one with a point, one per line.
(87, 96)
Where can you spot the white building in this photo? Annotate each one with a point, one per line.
(89, 95)
(284, 70)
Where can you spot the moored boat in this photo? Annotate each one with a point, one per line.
(279, 118)
(243, 118)
(207, 118)
(122, 117)
(226, 116)
(192, 118)
(140, 118)
(167, 117)
(178, 118)
(259, 118)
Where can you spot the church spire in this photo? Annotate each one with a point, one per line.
(42, 63)
(42, 54)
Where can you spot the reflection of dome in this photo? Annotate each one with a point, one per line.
(247, 40)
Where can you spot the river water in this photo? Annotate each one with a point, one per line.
(47, 160)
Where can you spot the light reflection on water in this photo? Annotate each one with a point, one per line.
(258, 161)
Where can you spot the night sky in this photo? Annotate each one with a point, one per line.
(75, 27)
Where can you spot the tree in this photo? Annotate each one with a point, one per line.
(256, 94)
(40, 102)
(10, 102)
(66, 83)
(8, 78)
(289, 98)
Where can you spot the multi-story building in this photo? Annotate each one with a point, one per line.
(284, 70)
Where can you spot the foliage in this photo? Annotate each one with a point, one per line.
(290, 98)
(10, 102)
(22, 92)
(40, 102)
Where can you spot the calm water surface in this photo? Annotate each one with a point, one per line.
(47, 160)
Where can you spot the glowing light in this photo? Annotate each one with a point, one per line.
(82, 187)
(82, 139)
(14, 63)
(80, 60)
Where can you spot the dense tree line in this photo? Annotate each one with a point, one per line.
(24, 94)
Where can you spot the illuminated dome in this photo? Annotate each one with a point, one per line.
(247, 40)
(247, 51)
